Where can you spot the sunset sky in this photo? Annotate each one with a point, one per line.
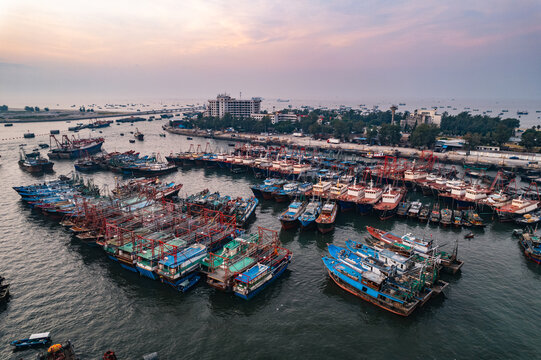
(294, 49)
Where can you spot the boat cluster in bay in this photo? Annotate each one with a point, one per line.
(177, 244)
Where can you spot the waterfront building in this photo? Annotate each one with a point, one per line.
(277, 117)
(225, 104)
(421, 117)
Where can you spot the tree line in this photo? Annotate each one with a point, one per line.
(376, 127)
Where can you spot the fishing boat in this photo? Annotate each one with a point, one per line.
(372, 195)
(139, 135)
(234, 258)
(371, 287)
(420, 246)
(268, 190)
(308, 218)
(290, 217)
(349, 200)
(457, 218)
(327, 217)
(531, 243)
(338, 190)
(496, 200)
(528, 219)
(387, 257)
(150, 169)
(177, 269)
(147, 259)
(415, 208)
(424, 213)
(283, 194)
(473, 218)
(32, 341)
(435, 214)
(403, 207)
(321, 188)
(386, 209)
(244, 210)
(74, 148)
(34, 162)
(29, 135)
(252, 281)
(446, 217)
(518, 207)
(87, 165)
(304, 189)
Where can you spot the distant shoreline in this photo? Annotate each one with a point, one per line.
(71, 115)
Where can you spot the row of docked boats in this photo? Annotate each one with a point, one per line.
(310, 214)
(156, 238)
(386, 201)
(398, 274)
(365, 199)
(243, 209)
(268, 161)
(498, 195)
(445, 217)
(128, 163)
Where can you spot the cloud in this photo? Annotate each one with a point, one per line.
(248, 38)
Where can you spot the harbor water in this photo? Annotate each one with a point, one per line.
(58, 284)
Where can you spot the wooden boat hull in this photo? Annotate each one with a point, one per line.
(325, 227)
(289, 224)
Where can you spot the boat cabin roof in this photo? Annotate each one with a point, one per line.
(182, 256)
(328, 207)
(44, 335)
(252, 273)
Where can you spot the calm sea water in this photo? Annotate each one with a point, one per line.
(73, 290)
(490, 107)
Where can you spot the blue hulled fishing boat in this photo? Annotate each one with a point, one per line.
(177, 268)
(289, 218)
(308, 219)
(252, 281)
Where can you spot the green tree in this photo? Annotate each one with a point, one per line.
(472, 140)
(4, 108)
(501, 134)
(28, 108)
(372, 134)
(424, 135)
(389, 134)
(531, 138)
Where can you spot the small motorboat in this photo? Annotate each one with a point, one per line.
(469, 235)
(518, 232)
(189, 138)
(132, 141)
(34, 340)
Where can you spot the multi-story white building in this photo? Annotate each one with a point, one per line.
(225, 104)
(276, 117)
(422, 117)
